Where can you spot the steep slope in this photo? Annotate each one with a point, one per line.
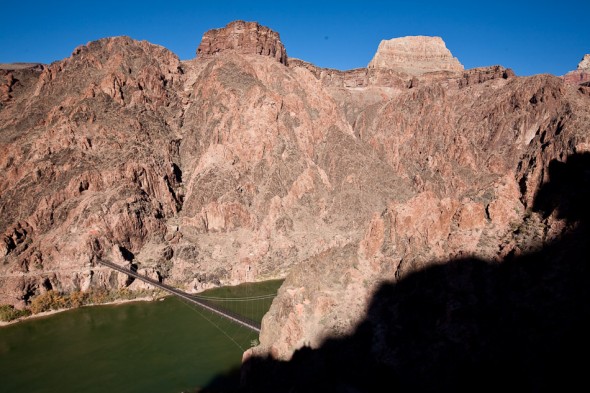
(476, 146)
(226, 168)
(272, 168)
(83, 166)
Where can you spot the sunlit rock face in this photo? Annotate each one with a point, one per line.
(239, 165)
(245, 38)
(415, 55)
(581, 75)
(585, 63)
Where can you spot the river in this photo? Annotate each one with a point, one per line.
(160, 346)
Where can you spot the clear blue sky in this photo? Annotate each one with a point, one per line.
(529, 37)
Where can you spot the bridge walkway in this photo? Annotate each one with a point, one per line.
(186, 296)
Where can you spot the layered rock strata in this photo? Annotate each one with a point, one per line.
(245, 38)
(233, 167)
(584, 64)
(415, 55)
(581, 75)
(477, 156)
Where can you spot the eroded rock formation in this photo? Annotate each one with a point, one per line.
(584, 64)
(476, 156)
(233, 167)
(581, 75)
(415, 55)
(245, 38)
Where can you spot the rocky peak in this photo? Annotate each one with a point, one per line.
(114, 51)
(243, 37)
(415, 55)
(580, 76)
(585, 63)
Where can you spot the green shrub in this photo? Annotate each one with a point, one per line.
(9, 313)
(52, 300)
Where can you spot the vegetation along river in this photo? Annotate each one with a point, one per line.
(160, 346)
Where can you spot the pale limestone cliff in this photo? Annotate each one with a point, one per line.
(415, 55)
(581, 75)
(584, 63)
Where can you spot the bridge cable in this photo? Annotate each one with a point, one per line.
(211, 322)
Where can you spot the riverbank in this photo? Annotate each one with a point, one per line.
(52, 312)
(165, 346)
(263, 288)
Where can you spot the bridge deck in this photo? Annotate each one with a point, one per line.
(183, 295)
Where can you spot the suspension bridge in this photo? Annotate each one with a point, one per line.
(203, 302)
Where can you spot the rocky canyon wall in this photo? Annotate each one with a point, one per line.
(243, 165)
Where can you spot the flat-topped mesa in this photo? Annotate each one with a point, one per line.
(415, 55)
(243, 37)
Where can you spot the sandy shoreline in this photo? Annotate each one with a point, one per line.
(51, 312)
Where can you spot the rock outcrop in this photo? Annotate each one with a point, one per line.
(581, 75)
(15, 76)
(585, 63)
(415, 55)
(245, 38)
(473, 183)
(88, 164)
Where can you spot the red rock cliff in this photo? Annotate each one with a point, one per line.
(243, 37)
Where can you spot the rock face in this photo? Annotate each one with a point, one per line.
(581, 75)
(585, 63)
(438, 139)
(15, 76)
(245, 38)
(415, 55)
(72, 190)
(233, 167)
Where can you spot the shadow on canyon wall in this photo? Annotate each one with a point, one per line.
(470, 324)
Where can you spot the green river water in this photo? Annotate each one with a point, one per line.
(160, 346)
